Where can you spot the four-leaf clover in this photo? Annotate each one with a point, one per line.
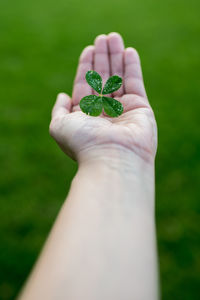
(93, 105)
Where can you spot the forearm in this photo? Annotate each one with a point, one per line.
(103, 243)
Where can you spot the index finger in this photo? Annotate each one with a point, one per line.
(81, 87)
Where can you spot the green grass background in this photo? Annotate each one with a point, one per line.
(40, 42)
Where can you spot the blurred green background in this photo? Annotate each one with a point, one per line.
(40, 42)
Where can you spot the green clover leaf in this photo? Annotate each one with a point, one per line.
(94, 80)
(112, 84)
(112, 107)
(93, 105)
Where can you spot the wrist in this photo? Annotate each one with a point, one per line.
(117, 172)
(115, 157)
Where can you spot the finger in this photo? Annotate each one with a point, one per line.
(81, 87)
(62, 106)
(131, 102)
(133, 73)
(101, 57)
(116, 50)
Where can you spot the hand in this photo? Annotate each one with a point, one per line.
(135, 130)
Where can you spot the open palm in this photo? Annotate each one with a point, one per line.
(134, 130)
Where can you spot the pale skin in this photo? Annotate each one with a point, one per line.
(103, 243)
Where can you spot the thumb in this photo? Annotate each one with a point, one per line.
(62, 105)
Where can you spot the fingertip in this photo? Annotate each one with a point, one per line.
(101, 43)
(87, 54)
(63, 97)
(115, 43)
(131, 49)
(63, 100)
(114, 34)
(131, 55)
(100, 37)
(62, 94)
